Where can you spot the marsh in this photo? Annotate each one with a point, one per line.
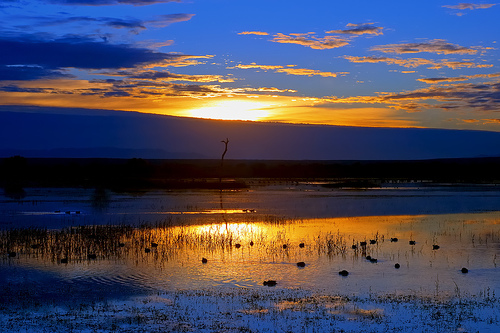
(123, 287)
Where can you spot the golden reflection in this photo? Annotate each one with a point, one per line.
(244, 232)
(233, 110)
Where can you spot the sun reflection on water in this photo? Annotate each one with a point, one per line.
(247, 253)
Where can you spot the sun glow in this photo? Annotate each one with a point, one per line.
(233, 110)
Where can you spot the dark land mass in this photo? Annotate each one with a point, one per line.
(18, 172)
(42, 132)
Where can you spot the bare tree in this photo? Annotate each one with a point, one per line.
(222, 160)
(225, 151)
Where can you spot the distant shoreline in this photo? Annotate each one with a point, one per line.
(19, 172)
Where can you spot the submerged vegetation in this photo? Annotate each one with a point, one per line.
(276, 310)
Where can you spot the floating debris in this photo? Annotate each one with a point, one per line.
(343, 272)
(270, 283)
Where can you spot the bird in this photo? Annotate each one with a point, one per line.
(373, 260)
(121, 244)
(397, 266)
(270, 283)
(373, 241)
(92, 256)
(154, 244)
(237, 245)
(435, 247)
(368, 257)
(394, 239)
(301, 264)
(301, 245)
(362, 243)
(147, 250)
(465, 270)
(204, 260)
(64, 260)
(412, 242)
(285, 246)
(354, 246)
(343, 273)
(251, 243)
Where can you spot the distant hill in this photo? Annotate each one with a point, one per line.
(73, 132)
(100, 152)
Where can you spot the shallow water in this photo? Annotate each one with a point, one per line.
(209, 224)
(58, 208)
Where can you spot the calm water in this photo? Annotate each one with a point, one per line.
(464, 222)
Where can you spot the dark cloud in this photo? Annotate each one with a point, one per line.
(116, 94)
(110, 2)
(477, 96)
(154, 75)
(15, 88)
(481, 96)
(118, 23)
(16, 73)
(438, 46)
(359, 29)
(107, 21)
(75, 52)
(164, 20)
(415, 62)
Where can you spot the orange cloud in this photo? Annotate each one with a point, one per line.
(255, 66)
(492, 121)
(290, 69)
(328, 42)
(258, 33)
(470, 6)
(308, 72)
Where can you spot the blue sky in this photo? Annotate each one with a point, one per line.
(361, 63)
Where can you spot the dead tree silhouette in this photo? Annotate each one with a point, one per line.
(225, 151)
(220, 179)
(222, 161)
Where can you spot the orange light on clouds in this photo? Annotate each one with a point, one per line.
(233, 110)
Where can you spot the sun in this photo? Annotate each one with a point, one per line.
(233, 110)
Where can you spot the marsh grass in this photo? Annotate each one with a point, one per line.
(161, 241)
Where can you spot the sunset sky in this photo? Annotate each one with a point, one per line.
(429, 63)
